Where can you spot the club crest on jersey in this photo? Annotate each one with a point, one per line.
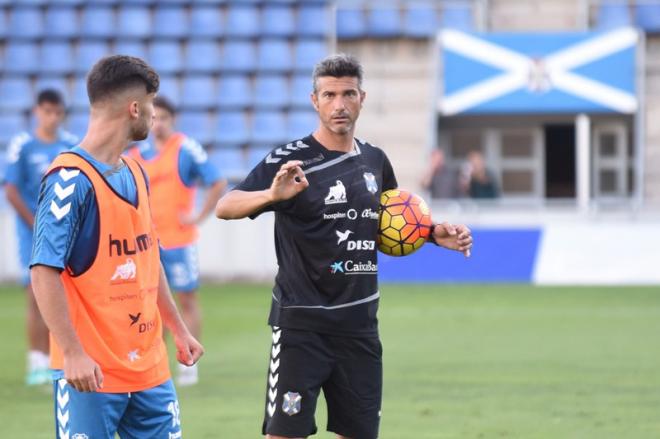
(291, 404)
(125, 272)
(336, 194)
(370, 180)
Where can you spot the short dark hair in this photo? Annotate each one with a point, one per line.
(116, 73)
(337, 66)
(51, 96)
(165, 104)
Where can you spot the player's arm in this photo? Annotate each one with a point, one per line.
(188, 349)
(14, 198)
(452, 237)
(213, 194)
(52, 248)
(288, 182)
(79, 369)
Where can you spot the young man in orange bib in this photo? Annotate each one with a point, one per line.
(176, 164)
(97, 276)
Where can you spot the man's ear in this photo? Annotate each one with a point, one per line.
(134, 109)
(315, 101)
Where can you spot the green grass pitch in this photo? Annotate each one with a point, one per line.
(460, 362)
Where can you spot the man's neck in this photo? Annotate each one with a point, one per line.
(105, 141)
(160, 142)
(334, 141)
(45, 136)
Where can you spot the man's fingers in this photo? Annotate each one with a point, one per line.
(451, 230)
(98, 375)
(290, 164)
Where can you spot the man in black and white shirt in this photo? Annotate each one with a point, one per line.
(325, 191)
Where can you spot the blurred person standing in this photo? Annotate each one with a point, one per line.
(176, 164)
(28, 156)
(439, 180)
(477, 181)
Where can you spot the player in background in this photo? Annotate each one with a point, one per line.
(97, 275)
(28, 157)
(325, 190)
(176, 164)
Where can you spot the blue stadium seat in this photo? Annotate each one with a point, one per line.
(21, 57)
(268, 128)
(274, 56)
(15, 94)
(56, 57)
(10, 125)
(58, 83)
(79, 98)
(26, 23)
(420, 21)
(234, 91)
(239, 56)
(301, 87)
(242, 21)
(198, 92)
(88, 53)
(30, 2)
(169, 88)
(165, 56)
(313, 21)
(196, 124)
(457, 16)
(301, 123)
(308, 53)
(271, 91)
(384, 22)
(351, 23)
(647, 16)
(3, 24)
(61, 22)
(206, 22)
(170, 22)
(202, 56)
(231, 129)
(230, 161)
(131, 47)
(613, 14)
(59, 3)
(255, 154)
(134, 22)
(277, 21)
(77, 123)
(98, 22)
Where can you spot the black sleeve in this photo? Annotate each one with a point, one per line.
(389, 179)
(259, 179)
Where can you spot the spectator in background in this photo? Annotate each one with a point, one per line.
(28, 156)
(176, 164)
(477, 181)
(439, 180)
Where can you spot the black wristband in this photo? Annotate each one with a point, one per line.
(430, 238)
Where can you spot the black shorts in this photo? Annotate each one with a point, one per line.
(349, 370)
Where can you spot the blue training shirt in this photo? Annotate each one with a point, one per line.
(68, 237)
(194, 164)
(28, 159)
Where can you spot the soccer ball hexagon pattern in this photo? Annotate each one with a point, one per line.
(404, 222)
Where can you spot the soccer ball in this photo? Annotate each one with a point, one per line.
(404, 222)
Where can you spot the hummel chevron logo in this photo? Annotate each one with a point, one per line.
(288, 148)
(58, 211)
(274, 365)
(271, 409)
(276, 336)
(68, 175)
(275, 351)
(272, 394)
(61, 192)
(62, 418)
(273, 379)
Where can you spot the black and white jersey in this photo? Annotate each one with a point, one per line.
(325, 237)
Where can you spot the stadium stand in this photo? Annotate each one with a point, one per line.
(647, 16)
(613, 14)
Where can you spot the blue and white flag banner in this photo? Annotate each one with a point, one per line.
(495, 73)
